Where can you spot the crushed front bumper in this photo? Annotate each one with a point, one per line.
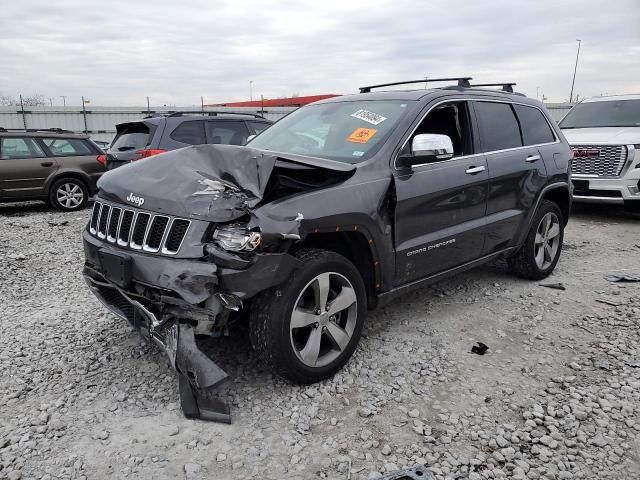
(163, 298)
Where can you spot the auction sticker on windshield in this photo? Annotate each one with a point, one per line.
(361, 135)
(369, 117)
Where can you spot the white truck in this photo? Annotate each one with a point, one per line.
(604, 134)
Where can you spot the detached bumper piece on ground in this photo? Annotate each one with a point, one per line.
(198, 375)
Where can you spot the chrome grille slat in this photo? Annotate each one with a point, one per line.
(609, 163)
(126, 226)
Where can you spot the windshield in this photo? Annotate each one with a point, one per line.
(348, 132)
(614, 113)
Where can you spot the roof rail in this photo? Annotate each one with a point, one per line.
(506, 87)
(212, 113)
(462, 82)
(53, 130)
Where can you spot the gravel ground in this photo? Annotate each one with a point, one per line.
(557, 396)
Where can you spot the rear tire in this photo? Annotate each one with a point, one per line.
(539, 255)
(306, 329)
(68, 194)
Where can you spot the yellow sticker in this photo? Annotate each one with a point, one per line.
(361, 135)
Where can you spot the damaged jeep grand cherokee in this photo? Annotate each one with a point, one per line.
(338, 207)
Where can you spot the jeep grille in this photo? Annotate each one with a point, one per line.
(137, 229)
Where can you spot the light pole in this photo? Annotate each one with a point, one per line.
(574, 71)
(64, 100)
(251, 90)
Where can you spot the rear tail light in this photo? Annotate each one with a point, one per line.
(149, 152)
(102, 159)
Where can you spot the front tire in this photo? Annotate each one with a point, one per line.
(539, 255)
(306, 329)
(68, 194)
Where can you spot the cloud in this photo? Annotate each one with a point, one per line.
(117, 53)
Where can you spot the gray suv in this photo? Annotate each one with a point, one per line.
(159, 134)
(54, 165)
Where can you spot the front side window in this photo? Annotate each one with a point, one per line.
(66, 146)
(14, 148)
(348, 132)
(498, 126)
(535, 128)
(452, 120)
(609, 113)
(190, 132)
(227, 132)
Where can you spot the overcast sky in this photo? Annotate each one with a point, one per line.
(118, 52)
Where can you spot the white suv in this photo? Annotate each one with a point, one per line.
(604, 134)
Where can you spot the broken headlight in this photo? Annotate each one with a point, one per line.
(236, 238)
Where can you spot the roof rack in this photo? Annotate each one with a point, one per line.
(53, 130)
(506, 87)
(462, 82)
(212, 113)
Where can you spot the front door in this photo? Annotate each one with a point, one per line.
(440, 206)
(24, 168)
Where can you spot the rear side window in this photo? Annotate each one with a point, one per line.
(132, 136)
(227, 132)
(12, 148)
(67, 146)
(535, 128)
(498, 126)
(190, 132)
(259, 127)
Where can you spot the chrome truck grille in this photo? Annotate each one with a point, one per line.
(137, 229)
(598, 160)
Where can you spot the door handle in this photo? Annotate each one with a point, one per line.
(532, 158)
(46, 164)
(474, 170)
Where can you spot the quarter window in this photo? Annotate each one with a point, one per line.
(498, 126)
(13, 148)
(61, 147)
(258, 127)
(190, 132)
(535, 128)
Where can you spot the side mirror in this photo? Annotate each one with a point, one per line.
(426, 148)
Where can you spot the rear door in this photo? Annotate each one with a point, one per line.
(440, 206)
(24, 168)
(516, 172)
(75, 154)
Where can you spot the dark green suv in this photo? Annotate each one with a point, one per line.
(56, 166)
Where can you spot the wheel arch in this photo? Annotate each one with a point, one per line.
(357, 248)
(558, 193)
(75, 174)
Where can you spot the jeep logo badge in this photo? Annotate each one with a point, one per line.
(138, 201)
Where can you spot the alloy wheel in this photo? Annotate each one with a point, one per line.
(547, 241)
(69, 195)
(323, 319)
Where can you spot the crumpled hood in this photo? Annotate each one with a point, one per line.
(217, 183)
(603, 135)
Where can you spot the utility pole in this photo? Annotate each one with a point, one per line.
(84, 114)
(51, 101)
(148, 108)
(64, 100)
(24, 115)
(202, 103)
(574, 71)
(537, 93)
(251, 90)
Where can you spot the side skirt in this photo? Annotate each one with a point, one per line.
(386, 297)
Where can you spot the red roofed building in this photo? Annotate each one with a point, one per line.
(276, 102)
